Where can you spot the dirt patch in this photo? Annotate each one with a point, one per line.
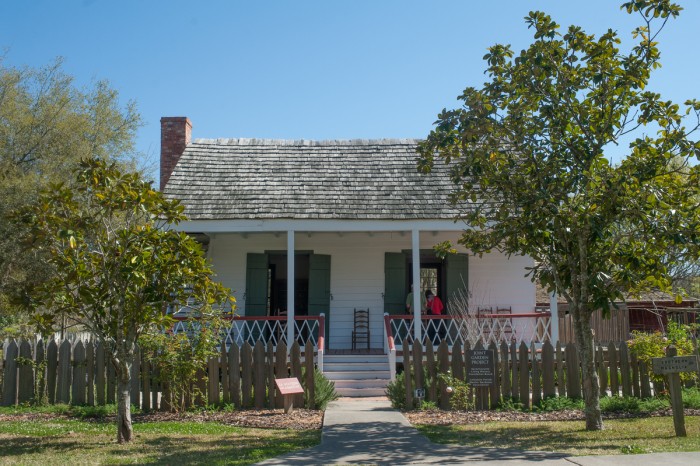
(438, 417)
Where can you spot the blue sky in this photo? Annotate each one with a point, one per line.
(304, 69)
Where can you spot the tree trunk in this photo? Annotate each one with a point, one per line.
(586, 352)
(124, 428)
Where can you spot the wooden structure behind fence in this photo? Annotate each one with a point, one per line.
(525, 374)
(614, 328)
(81, 373)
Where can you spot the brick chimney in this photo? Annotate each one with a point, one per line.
(175, 134)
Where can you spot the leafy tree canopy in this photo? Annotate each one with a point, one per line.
(530, 164)
(47, 124)
(115, 263)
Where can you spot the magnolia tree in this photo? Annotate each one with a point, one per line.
(531, 166)
(114, 265)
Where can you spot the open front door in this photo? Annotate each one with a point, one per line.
(320, 288)
(256, 291)
(457, 277)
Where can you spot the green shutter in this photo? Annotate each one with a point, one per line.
(457, 275)
(320, 288)
(395, 283)
(256, 285)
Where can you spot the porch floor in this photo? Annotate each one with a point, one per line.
(333, 352)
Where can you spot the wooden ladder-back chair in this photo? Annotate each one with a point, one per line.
(360, 333)
(505, 323)
(485, 323)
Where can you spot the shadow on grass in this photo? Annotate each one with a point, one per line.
(19, 446)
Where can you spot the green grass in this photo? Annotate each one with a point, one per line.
(624, 436)
(91, 441)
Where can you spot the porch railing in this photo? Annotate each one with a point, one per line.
(251, 329)
(532, 327)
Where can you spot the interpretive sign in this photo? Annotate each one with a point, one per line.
(289, 388)
(671, 366)
(665, 366)
(482, 368)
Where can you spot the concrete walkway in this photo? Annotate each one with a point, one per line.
(359, 431)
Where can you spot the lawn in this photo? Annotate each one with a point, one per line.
(620, 436)
(46, 440)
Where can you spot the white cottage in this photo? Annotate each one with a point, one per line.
(299, 229)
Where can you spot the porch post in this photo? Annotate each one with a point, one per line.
(415, 273)
(290, 288)
(554, 319)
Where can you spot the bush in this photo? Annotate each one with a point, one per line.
(509, 404)
(691, 398)
(324, 390)
(558, 403)
(396, 391)
(617, 404)
(460, 399)
(653, 345)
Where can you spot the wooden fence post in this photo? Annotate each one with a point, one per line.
(90, 368)
(495, 389)
(602, 371)
(247, 374)
(561, 373)
(524, 375)
(78, 383)
(9, 386)
(40, 359)
(444, 364)
(505, 371)
(636, 392)
(51, 370)
(259, 374)
(407, 374)
(213, 380)
(270, 374)
(281, 372)
(548, 370)
(296, 371)
(64, 373)
(573, 378)
(536, 384)
(146, 377)
(614, 381)
(310, 370)
(100, 373)
(111, 377)
(457, 362)
(25, 386)
(234, 373)
(223, 359)
(514, 373)
(646, 382)
(431, 392)
(418, 365)
(625, 370)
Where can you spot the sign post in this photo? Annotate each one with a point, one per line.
(671, 366)
(289, 388)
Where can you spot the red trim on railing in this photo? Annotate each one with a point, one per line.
(482, 316)
(389, 335)
(271, 318)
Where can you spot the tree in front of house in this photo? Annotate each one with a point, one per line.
(114, 265)
(530, 163)
(47, 124)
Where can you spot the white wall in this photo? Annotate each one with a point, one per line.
(357, 273)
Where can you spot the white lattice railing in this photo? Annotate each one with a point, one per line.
(490, 328)
(248, 329)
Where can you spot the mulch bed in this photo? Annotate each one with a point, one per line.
(438, 417)
(298, 419)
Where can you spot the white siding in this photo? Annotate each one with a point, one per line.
(357, 273)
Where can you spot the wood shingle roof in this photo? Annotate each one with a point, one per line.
(300, 179)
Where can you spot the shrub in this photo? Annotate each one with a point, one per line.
(558, 403)
(396, 391)
(324, 390)
(653, 345)
(691, 397)
(509, 404)
(460, 399)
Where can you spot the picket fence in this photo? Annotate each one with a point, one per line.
(524, 374)
(80, 373)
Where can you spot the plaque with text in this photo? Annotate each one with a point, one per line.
(289, 386)
(674, 364)
(482, 368)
